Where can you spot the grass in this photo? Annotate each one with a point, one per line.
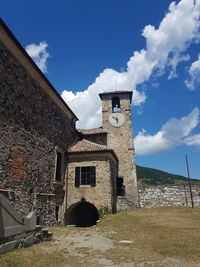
(161, 237)
(158, 233)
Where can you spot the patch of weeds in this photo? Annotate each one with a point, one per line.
(104, 210)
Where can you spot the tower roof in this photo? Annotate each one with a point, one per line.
(92, 131)
(115, 93)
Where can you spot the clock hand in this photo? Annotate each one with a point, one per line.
(115, 119)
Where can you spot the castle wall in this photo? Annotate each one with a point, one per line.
(31, 125)
(168, 195)
(103, 195)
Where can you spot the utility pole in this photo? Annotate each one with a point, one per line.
(186, 202)
(189, 181)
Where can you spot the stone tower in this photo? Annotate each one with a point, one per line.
(117, 122)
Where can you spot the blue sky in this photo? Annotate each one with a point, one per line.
(84, 48)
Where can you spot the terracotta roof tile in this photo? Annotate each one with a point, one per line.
(87, 146)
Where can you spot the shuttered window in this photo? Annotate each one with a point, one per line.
(77, 176)
(93, 176)
(60, 161)
(85, 176)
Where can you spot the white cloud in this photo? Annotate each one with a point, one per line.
(86, 105)
(165, 48)
(39, 54)
(173, 133)
(194, 72)
(173, 63)
(193, 140)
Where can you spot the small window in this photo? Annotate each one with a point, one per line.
(120, 186)
(85, 176)
(38, 220)
(116, 104)
(57, 212)
(59, 166)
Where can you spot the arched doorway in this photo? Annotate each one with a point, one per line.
(82, 214)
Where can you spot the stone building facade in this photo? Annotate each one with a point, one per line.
(46, 164)
(117, 122)
(35, 124)
(99, 165)
(110, 151)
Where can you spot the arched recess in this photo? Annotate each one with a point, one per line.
(116, 104)
(82, 214)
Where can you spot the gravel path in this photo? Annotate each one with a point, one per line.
(89, 246)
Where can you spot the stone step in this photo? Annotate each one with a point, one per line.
(48, 236)
(50, 233)
(45, 232)
(38, 237)
(38, 228)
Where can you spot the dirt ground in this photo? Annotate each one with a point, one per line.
(91, 247)
(140, 238)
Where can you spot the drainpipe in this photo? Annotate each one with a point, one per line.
(66, 187)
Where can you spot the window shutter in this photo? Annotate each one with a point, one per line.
(93, 175)
(77, 176)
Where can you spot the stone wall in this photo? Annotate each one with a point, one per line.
(104, 193)
(168, 195)
(120, 139)
(32, 124)
(17, 231)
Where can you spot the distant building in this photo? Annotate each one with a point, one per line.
(65, 175)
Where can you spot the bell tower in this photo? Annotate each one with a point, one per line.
(117, 122)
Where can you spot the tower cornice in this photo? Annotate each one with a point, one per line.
(115, 93)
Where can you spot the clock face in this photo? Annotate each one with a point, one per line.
(116, 119)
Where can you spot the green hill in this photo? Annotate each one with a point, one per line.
(151, 176)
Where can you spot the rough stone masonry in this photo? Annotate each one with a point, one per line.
(33, 122)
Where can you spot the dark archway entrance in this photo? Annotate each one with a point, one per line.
(82, 214)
